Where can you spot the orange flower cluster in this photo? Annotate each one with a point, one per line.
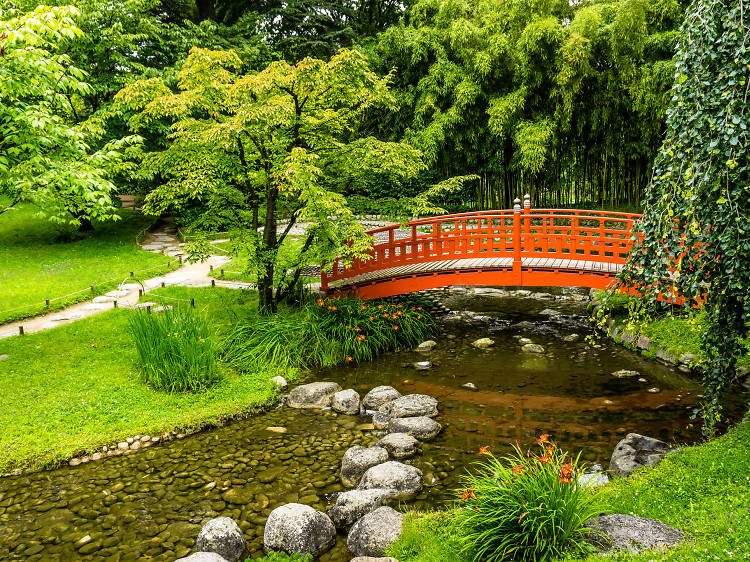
(468, 494)
(566, 473)
(484, 450)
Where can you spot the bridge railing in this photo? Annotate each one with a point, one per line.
(512, 235)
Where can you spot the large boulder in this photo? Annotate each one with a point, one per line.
(345, 402)
(379, 396)
(375, 532)
(409, 406)
(380, 420)
(421, 427)
(222, 536)
(357, 460)
(297, 528)
(628, 533)
(405, 481)
(399, 445)
(352, 505)
(203, 557)
(313, 395)
(635, 451)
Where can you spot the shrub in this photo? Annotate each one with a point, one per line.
(525, 506)
(176, 350)
(328, 332)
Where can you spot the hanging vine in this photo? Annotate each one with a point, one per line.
(694, 240)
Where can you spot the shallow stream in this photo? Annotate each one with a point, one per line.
(151, 503)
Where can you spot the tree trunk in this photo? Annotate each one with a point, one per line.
(85, 225)
(206, 10)
(266, 300)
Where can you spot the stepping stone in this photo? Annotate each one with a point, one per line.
(104, 299)
(421, 427)
(97, 306)
(142, 305)
(117, 294)
(162, 308)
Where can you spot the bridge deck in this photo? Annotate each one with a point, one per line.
(478, 263)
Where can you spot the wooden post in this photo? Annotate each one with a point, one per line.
(180, 258)
(115, 303)
(517, 276)
(414, 241)
(20, 330)
(192, 303)
(163, 284)
(131, 274)
(46, 301)
(222, 273)
(213, 282)
(92, 289)
(148, 309)
(140, 292)
(210, 267)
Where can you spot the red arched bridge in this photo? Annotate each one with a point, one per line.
(518, 247)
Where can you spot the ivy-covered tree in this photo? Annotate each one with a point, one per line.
(46, 156)
(283, 141)
(694, 240)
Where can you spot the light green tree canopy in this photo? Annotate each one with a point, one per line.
(44, 156)
(281, 141)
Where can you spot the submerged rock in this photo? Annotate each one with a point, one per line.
(532, 348)
(380, 420)
(279, 382)
(313, 395)
(297, 528)
(469, 385)
(483, 343)
(426, 345)
(550, 312)
(593, 477)
(410, 405)
(357, 460)
(403, 480)
(353, 505)
(635, 451)
(375, 532)
(379, 396)
(421, 427)
(571, 338)
(222, 536)
(203, 557)
(624, 373)
(627, 533)
(345, 402)
(399, 445)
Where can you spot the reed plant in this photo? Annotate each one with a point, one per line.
(527, 506)
(327, 332)
(176, 349)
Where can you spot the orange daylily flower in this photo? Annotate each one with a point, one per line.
(484, 450)
(468, 494)
(349, 359)
(518, 469)
(543, 438)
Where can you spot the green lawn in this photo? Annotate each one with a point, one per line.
(36, 264)
(703, 490)
(76, 388)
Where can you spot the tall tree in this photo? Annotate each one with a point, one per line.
(45, 155)
(694, 240)
(283, 141)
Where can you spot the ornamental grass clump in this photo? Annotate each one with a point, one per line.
(176, 350)
(327, 332)
(525, 506)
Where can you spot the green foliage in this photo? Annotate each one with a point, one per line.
(428, 537)
(38, 261)
(45, 156)
(327, 333)
(176, 349)
(565, 100)
(248, 146)
(283, 557)
(525, 507)
(696, 225)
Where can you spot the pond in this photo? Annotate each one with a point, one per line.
(151, 503)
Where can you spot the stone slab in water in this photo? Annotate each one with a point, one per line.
(483, 343)
(313, 395)
(357, 460)
(628, 533)
(222, 536)
(379, 396)
(404, 480)
(421, 427)
(353, 505)
(297, 528)
(345, 402)
(399, 445)
(410, 405)
(375, 532)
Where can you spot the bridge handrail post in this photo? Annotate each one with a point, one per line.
(517, 270)
(414, 241)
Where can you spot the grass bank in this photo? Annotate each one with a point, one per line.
(37, 261)
(75, 388)
(704, 490)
